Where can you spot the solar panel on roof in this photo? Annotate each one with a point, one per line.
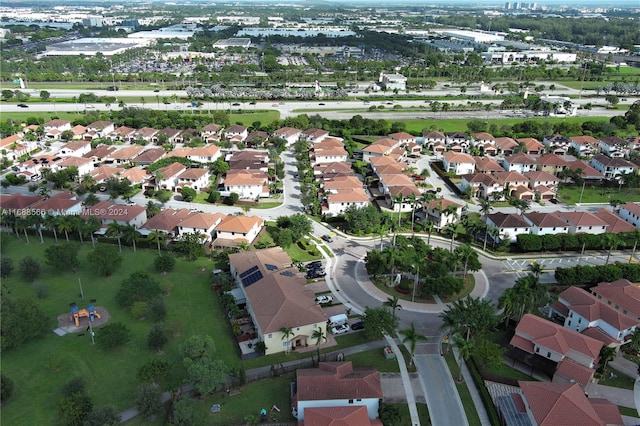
(271, 267)
(249, 271)
(250, 279)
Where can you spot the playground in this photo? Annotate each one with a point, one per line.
(77, 319)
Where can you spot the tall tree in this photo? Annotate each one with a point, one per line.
(157, 237)
(319, 336)
(130, 234)
(465, 348)
(392, 303)
(287, 333)
(114, 230)
(412, 337)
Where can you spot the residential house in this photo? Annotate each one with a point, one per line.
(341, 182)
(584, 146)
(506, 146)
(84, 165)
(552, 404)
(75, 149)
(514, 184)
(442, 212)
(546, 223)
(147, 134)
(204, 154)
(8, 146)
(100, 153)
(482, 138)
(103, 173)
(211, 133)
(55, 127)
(519, 163)
(233, 230)
(123, 134)
(236, 133)
(124, 156)
(337, 384)
(167, 177)
(136, 175)
(458, 163)
(249, 160)
(622, 295)
(336, 204)
(330, 150)
(276, 297)
(107, 212)
(568, 355)
(585, 171)
(324, 170)
(403, 138)
(99, 129)
(17, 203)
(314, 135)
(583, 222)
(150, 156)
(585, 313)
(200, 223)
(483, 186)
(166, 221)
(289, 134)
(399, 198)
(248, 184)
(615, 222)
(457, 139)
(631, 213)
(78, 131)
(532, 146)
(60, 204)
(378, 165)
(347, 416)
(379, 148)
(543, 178)
(37, 163)
(509, 225)
(257, 138)
(435, 141)
(612, 168)
(552, 163)
(194, 178)
(556, 144)
(614, 146)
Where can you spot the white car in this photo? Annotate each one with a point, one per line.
(324, 299)
(339, 329)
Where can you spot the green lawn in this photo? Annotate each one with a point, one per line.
(571, 194)
(618, 381)
(40, 367)
(626, 411)
(463, 391)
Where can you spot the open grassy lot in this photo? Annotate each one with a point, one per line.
(595, 194)
(617, 379)
(40, 367)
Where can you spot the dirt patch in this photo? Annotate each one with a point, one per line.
(66, 322)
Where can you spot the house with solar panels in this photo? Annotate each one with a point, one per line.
(276, 297)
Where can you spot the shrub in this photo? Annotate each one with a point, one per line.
(165, 262)
(29, 269)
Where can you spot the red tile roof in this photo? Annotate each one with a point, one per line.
(338, 380)
(573, 371)
(623, 293)
(615, 222)
(338, 416)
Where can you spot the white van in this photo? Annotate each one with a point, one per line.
(337, 320)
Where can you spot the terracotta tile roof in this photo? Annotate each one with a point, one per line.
(103, 173)
(532, 144)
(621, 292)
(135, 175)
(480, 178)
(458, 157)
(433, 135)
(442, 204)
(342, 182)
(314, 133)
(631, 208)
(146, 132)
(337, 380)
(235, 129)
(486, 164)
(390, 169)
(380, 161)
(101, 151)
(507, 177)
(171, 170)
(607, 411)
(203, 221)
(355, 195)
(287, 131)
(277, 300)
(258, 134)
(583, 140)
(581, 218)
(127, 153)
(75, 145)
(245, 177)
(74, 162)
(552, 160)
(166, 220)
(613, 140)
(240, 224)
(99, 124)
(598, 334)
(193, 173)
(506, 144)
(405, 191)
(613, 162)
(573, 371)
(616, 223)
(483, 136)
(589, 307)
(401, 136)
(545, 220)
(123, 131)
(338, 416)
(106, 211)
(150, 155)
(171, 133)
(338, 166)
(541, 175)
(520, 158)
(18, 201)
(557, 338)
(396, 180)
(212, 128)
(9, 140)
(457, 135)
(330, 151)
(58, 204)
(55, 123)
(78, 130)
(554, 404)
(588, 172)
(520, 190)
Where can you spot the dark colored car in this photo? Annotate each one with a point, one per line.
(113, 88)
(357, 325)
(23, 105)
(554, 201)
(314, 264)
(316, 273)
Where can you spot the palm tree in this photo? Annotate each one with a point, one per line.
(430, 226)
(92, 225)
(485, 208)
(22, 223)
(319, 335)
(464, 252)
(412, 337)
(453, 229)
(612, 241)
(509, 303)
(63, 223)
(37, 220)
(130, 234)
(50, 222)
(465, 347)
(535, 268)
(113, 230)
(78, 225)
(243, 246)
(607, 353)
(87, 181)
(287, 333)
(392, 303)
(412, 200)
(156, 236)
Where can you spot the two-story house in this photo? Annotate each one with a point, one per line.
(167, 177)
(583, 222)
(622, 295)
(519, 163)
(248, 184)
(614, 146)
(289, 134)
(233, 230)
(107, 212)
(611, 168)
(509, 225)
(194, 178)
(200, 223)
(546, 223)
(236, 133)
(584, 146)
(337, 203)
(458, 163)
(630, 212)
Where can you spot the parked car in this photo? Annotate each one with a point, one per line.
(327, 238)
(357, 325)
(315, 273)
(314, 264)
(554, 201)
(340, 329)
(324, 299)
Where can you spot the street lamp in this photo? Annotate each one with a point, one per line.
(415, 283)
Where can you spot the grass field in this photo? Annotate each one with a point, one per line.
(40, 367)
(571, 194)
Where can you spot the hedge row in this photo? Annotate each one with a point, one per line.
(574, 242)
(585, 275)
(484, 392)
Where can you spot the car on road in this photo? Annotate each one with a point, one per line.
(314, 264)
(357, 325)
(324, 299)
(327, 238)
(113, 88)
(235, 104)
(340, 329)
(274, 105)
(252, 103)
(321, 103)
(156, 91)
(23, 105)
